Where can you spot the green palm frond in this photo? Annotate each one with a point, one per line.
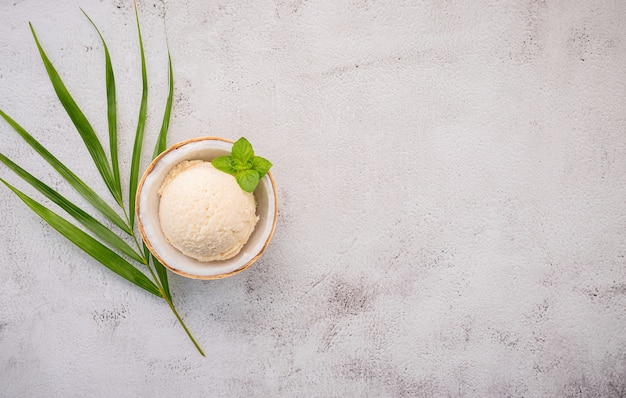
(111, 110)
(141, 124)
(80, 121)
(161, 143)
(89, 245)
(102, 232)
(159, 147)
(105, 246)
(79, 185)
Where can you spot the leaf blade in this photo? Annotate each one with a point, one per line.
(77, 213)
(247, 179)
(261, 165)
(224, 163)
(161, 143)
(141, 124)
(111, 110)
(81, 123)
(89, 245)
(162, 274)
(94, 199)
(242, 150)
(160, 146)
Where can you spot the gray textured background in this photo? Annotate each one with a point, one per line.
(452, 200)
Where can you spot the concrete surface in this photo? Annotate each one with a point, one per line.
(452, 200)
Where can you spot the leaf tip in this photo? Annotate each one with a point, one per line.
(84, 13)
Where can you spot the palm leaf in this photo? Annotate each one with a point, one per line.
(111, 111)
(110, 174)
(162, 274)
(80, 215)
(141, 124)
(161, 143)
(89, 245)
(82, 188)
(80, 121)
(160, 146)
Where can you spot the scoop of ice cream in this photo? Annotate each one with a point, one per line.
(204, 213)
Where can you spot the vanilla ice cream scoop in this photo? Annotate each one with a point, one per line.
(204, 213)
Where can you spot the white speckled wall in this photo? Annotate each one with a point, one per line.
(452, 187)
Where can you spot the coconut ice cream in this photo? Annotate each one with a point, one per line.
(204, 213)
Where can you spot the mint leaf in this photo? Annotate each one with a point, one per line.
(242, 150)
(261, 165)
(240, 165)
(247, 168)
(247, 179)
(225, 164)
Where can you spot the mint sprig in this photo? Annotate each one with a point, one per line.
(247, 168)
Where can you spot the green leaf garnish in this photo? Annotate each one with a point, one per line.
(225, 164)
(261, 165)
(247, 168)
(242, 150)
(247, 179)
